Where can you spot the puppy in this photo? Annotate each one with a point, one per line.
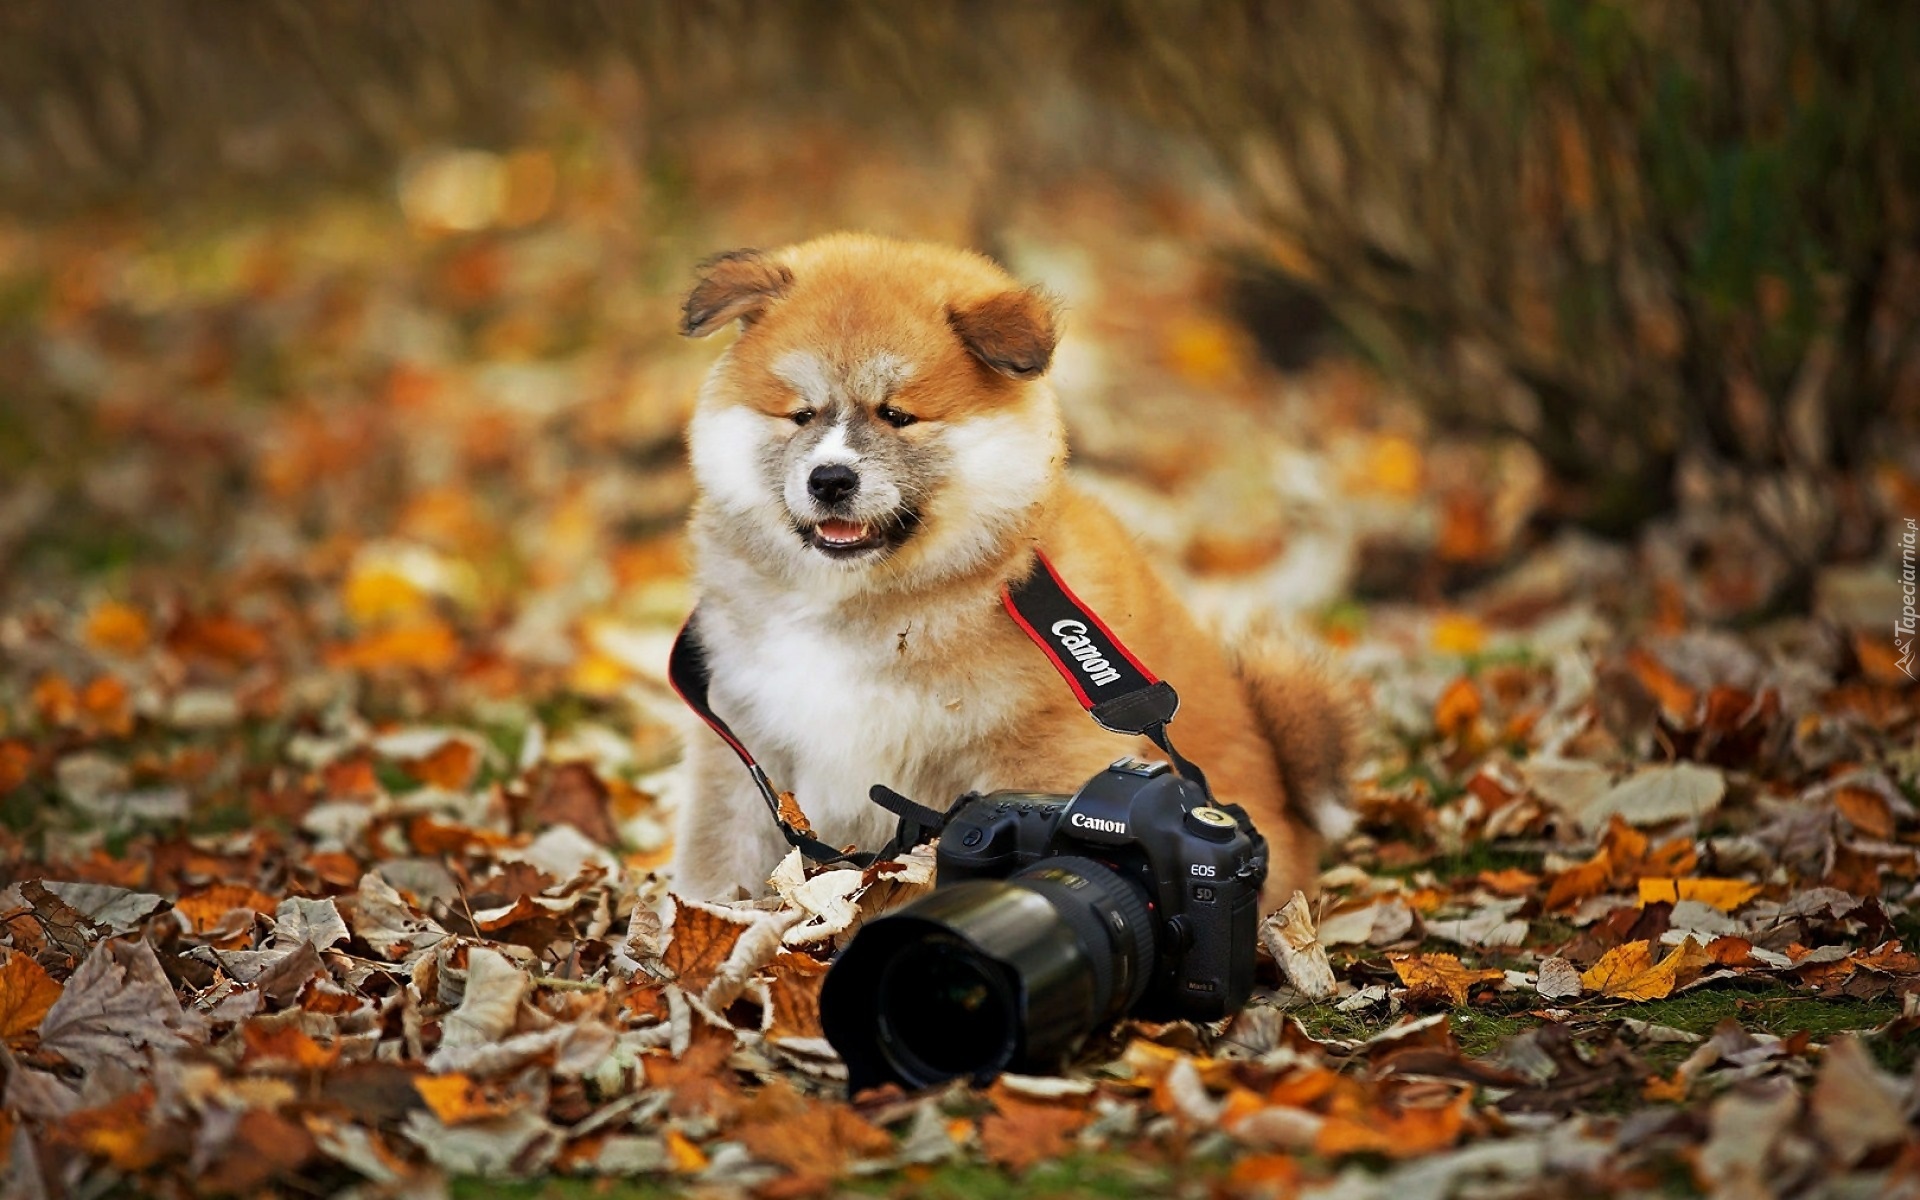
(876, 456)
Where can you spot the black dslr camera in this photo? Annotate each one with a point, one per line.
(1052, 915)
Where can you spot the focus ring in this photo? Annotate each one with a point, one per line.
(1109, 916)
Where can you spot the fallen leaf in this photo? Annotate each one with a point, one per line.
(16, 764)
(26, 993)
(118, 1001)
(1865, 810)
(1558, 980)
(703, 937)
(457, 1100)
(1457, 633)
(1655, 795)
(1854, 1104)
(815, 1140)
(1457, 709)
(207, 909)
(1288, 936)
(1440, 975)
(1723, 894)
(793, 990)
(1627, 973)
(451, 766)
(1020, 1133)
(1406, 1133)
(793, 814)
(1618, 966)
(283, 1043)
(116, 628)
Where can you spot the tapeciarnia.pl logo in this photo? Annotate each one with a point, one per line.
(1903, 625)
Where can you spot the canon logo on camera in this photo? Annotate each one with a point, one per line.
(1086, 822)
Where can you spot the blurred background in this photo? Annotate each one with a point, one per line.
(337, 340)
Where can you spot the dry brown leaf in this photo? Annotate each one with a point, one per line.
(1020, 1133)
(699, 1080)
(815, 1140)
(26, 993)
(1406, 1133)
(1457, 709)
(1865, 810)
(207, 909)
(287, 1044)
(793, 989)
(793, 814)
(117, 1002)
(703, 937)
(1675, 698)
(1289, 937)
(452, 766)
(1440, 975)
(123, 1131)
(16, 764)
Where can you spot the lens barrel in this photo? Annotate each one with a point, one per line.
(988, 976)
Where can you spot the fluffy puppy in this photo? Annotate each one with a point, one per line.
(876, 456)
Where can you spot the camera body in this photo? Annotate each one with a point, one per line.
(1051, 916)
(1200, 867)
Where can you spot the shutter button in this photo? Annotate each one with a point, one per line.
(1212, 824)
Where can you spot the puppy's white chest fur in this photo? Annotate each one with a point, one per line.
(833, 707)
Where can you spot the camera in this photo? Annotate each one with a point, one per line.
(1052, 915)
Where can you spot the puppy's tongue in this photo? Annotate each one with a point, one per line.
(842, 533)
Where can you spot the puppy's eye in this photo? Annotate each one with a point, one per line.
(800, 416)
(896, 418)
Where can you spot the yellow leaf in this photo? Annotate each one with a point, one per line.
(1392, 465)
(117, 628)
(1204, 351)
(376, 591)
(428, 645)
(457, 1099)
(686, 1157)
(1441, 973)
(1724, 894)
(1624, 974)
(1617, 966)
(1457, 633)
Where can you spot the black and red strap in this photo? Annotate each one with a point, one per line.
(1115, 688)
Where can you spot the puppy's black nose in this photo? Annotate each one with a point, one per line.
(832, 483)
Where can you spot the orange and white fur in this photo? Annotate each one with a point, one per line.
(876, 456)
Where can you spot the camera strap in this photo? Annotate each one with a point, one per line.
(1117, 691)
(1115, 688)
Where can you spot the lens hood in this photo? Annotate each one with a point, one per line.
(987, 976)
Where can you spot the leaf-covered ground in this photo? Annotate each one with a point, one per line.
(341, 558)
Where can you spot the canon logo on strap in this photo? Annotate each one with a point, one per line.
(1086, 822)
(1074, 640)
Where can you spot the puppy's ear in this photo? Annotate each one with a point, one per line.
(1013, 333)
(737, 285)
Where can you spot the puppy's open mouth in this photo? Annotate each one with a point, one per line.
(840, 538)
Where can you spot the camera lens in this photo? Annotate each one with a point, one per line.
(986, 976)
(942, 1010)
